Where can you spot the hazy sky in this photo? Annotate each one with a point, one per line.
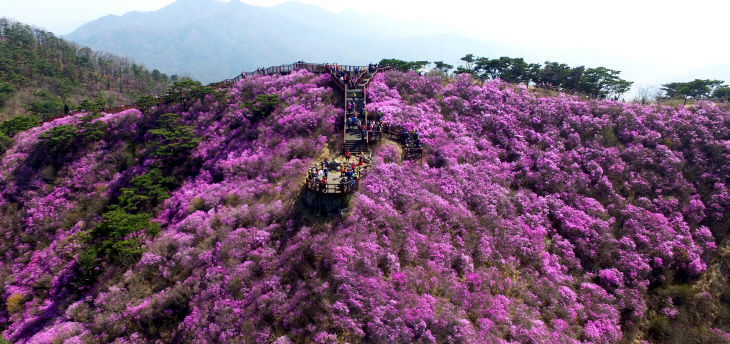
(668, 35)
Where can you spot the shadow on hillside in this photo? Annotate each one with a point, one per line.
(319, 212)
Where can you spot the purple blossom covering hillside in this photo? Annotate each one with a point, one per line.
(529, 220)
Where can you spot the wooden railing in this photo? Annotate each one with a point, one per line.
(377, 70)
(333, 188)
(311, 67)
(286, 69)
(393, 133)
(337, 81)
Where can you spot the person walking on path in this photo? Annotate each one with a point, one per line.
(347, 156)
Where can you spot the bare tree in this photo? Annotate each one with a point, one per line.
(646, 94)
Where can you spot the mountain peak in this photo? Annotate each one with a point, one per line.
(214, 40)
(194, 4)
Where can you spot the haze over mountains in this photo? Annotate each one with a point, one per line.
(211, 40)
(491, 30)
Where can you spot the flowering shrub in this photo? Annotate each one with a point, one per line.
(529, 220)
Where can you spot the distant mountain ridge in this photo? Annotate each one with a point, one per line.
(210, 40)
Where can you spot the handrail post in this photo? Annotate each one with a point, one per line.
(364, 102)
(344, 124)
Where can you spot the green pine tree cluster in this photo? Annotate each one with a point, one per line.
(117, 238)
(45, 76)
(599, 82)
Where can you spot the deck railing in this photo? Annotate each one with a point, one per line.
(338, 188)
(393, 133)
(286, 69)
(332, 188)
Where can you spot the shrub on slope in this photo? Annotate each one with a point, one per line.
(245, 171)
(531, 220)
(569, 212)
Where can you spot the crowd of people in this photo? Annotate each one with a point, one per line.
(366, 128)
(349, 173)
(352, 107)
(410, 138)
(259, 70)
(349, 78)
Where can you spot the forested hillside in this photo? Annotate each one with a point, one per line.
(530, 219)
(45, 76)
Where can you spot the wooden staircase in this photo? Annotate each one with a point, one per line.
(355, 143)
